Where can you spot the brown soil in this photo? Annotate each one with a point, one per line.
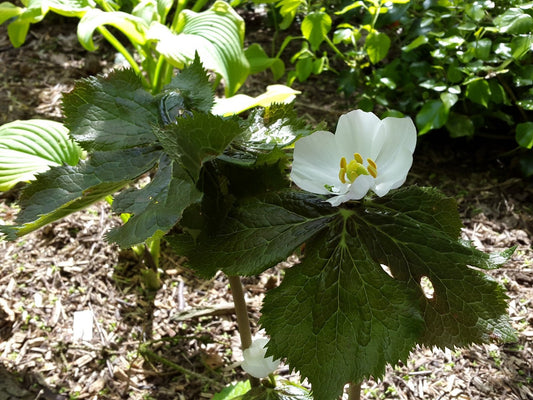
(181, 342)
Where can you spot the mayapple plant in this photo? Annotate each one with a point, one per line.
(220, 194)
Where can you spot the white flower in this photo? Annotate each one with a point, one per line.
(255, 362)
(365, 153)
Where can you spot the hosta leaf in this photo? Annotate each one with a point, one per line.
(133, 27)
(156, 207)
(275, 94)
(111, 113)
(33, 146)
(193, 141)
(70, 8)
(216, 34)
(338, 316)
(61, 191)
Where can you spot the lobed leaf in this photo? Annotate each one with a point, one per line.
(193, 141)
(155, 208)
(111, 113)
(258, 233)
(356, 301)
(63, 190)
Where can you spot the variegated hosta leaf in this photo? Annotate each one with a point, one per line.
(30, 147)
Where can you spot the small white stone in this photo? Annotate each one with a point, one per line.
(83, 326)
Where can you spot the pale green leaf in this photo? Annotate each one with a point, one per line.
(134, 28)
(241, 102)
(315, 27)
(33, 146)
(8, 11)
(216, 34)
(377, 46)
(63, 190)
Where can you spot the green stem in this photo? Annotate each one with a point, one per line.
(335, 49)
(179, 8)
(354, 391)
(199, 5)
(143, 349)
(241, 311)
(122, 50)
(157, 78)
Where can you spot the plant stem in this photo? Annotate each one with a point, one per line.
(122, 50)
(241, 312)
(354, 391)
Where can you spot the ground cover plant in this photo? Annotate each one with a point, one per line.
(456, 65)
(220, 193)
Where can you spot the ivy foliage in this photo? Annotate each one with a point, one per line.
(218, 191)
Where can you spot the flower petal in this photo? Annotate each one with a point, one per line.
(395, 173)
(396, 133)
(356, 132)
(255, 363)
(316, 163)
(358, 189)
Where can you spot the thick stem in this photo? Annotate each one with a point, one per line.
(242, 317)
(354, 391)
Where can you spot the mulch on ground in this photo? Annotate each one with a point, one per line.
(181, 342)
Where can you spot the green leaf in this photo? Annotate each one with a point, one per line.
(134, 28)
(257, 234)
(514, 21)
(233, 392)
(433, 115)
(315, 28)
(275, 94)
(155, 208)
(524, 134)
(304, 68)
(258, 58)
(193, 83)
(482, 48)
(61, 191)
(33, 146)
(520, 46)
(377, 46)
(288, 10)
(459, 125)
(17, 32)
(419, 41)
(70, 8)
(111, 113)
(217, 35)
(339, 317)
(193, 141)
(8, 11)
(479, 92)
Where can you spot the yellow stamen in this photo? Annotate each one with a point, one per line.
(355, 168)
(342, 172)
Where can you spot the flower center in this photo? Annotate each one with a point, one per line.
(350, 171)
